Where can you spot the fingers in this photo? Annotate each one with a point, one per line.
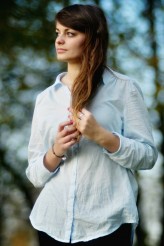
(71, 137)
(70, 128)
(84, 122)
(81, 114)
(81, 117)
(85, 111)
(66, 138)
(64, 124)
(66, 132)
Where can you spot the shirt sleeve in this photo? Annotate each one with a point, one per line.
(36, 172)
(137, 150)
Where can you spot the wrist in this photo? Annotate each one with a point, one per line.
(99, 135)
(56, 154)
(108, 140)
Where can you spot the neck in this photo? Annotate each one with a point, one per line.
(72, 73)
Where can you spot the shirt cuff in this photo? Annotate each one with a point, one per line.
(44, 173)
(119, 149)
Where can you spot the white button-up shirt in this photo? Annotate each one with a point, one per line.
(93, 191)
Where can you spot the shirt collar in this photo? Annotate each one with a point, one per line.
(58, 82)
(106, 75)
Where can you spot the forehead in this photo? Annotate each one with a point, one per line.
(60, 26)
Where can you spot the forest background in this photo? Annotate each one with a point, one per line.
(28, 65)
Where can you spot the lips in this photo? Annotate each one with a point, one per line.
(59, 50)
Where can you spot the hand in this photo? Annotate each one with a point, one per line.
(67, 136)
(86, 124)
(91, 129)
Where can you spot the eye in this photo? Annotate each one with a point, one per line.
(70, 34)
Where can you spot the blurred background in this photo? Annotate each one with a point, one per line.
(28, 65)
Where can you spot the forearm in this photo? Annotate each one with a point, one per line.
(107, 139)
(51, 161)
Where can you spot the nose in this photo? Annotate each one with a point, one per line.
(60, 39)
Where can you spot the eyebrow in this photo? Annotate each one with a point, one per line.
(64, 29)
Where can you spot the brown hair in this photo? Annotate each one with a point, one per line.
(88, 19)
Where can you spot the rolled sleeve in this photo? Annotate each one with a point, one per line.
(133, 154)
(137, 150)
(38, 174)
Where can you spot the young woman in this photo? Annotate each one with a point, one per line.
(90, 132)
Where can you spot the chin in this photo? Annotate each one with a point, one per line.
(61, 59)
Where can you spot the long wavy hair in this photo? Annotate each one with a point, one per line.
(91, 20)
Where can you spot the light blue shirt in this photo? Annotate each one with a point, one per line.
(93, 191)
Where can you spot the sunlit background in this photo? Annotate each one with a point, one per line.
(28, 65)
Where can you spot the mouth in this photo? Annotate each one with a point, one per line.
(59, 50)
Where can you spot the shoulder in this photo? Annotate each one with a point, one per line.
(47, 92)
(41, 95)
(108, 72)
(123, 81)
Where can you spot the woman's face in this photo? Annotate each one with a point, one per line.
(69, 44)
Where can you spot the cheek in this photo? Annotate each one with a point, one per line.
(77, 49)
(80, 47)
(80, 43)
